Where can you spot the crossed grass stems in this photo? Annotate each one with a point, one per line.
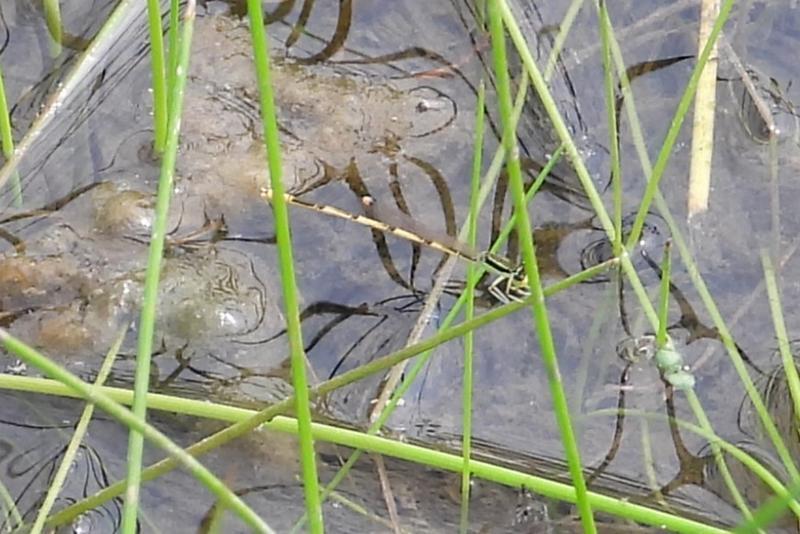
(510, 283)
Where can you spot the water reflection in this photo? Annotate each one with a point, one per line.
(36, 434)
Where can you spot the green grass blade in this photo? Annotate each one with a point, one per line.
(150, 297)
(770, 511)
(540, 316)
(173, 36)
(787, 358)
(469, 311)
(611, 118)
(80, 431)
(663, 296)
(559, 126)
(563, 32)
(82, 73)
(675, 127)
(288, 283)
(229, 413)
(52, 16)
(719, 459)
(159, 76)
(7, 139)
(694, 274)
(97, 396)
(9, 509)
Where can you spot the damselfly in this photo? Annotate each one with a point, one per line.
(510, 283)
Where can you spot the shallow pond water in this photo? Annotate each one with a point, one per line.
(386, 108)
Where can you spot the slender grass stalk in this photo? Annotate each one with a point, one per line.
(82, 72)
(563, 32)
(7, 139)
(663, 296)
(432, 458)
(648, 462)
(625, 260)
(52, 17)
(228, 413)
(173, 36)
(97, 396)
(787, 358)
(694, 274)
(411, 375)
(159, 76)
(674, 129)
(11, 515)
(493, 473)
(540, 317)
(611, 118)
(764, 474)
(288, 283)
(559, 126)
(150, 296)
(350, 438)
(469, 310)
(770, 511)
(77, 437)
(719, 459)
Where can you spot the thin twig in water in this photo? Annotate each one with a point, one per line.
(386, 489)
(703, 121)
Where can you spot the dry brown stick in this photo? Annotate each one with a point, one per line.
(388, 495)
(703, 120)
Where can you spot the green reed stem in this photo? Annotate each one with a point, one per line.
(8, 140)
(563, 32)
(675, 126)
(770, 511)
(611, 118)
(694, 273)
(224, 436)
(57, 482)
(160, 108)
(559, 126)
(97, 396)
(763, 473)
(150, 296)
(469, 311)
(288, 283)
(11, 515)
(663, 296)
(540, 316)
(173, 37)
(719, 458)
(437, 459)
(52, 17)
(787, 358)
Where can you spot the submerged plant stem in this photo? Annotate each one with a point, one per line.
(288, 282)
(539, 308)
(150, 297)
